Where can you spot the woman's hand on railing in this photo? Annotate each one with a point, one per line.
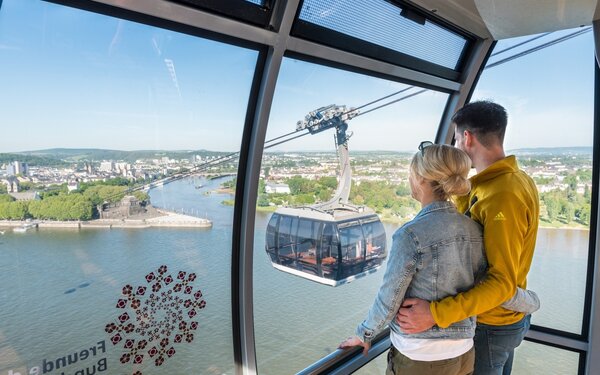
(355, 341)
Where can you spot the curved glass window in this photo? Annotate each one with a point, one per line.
(300, 319)
(380, 22)
(536, 359)
(558, 91)
(385, 31)
(115, 214)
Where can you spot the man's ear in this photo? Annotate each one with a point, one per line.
(469, 138)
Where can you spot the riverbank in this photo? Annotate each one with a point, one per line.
(166, 219)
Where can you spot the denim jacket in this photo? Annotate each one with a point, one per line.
(437, 254)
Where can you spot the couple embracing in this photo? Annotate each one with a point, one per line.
(454, 291)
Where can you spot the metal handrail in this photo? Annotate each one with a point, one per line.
(346, 361)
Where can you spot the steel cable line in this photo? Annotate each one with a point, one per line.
(520, 44)
(539, 47)
(393, 101)
(225, 158)
(351, 110)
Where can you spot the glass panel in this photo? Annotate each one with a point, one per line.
(330, 251)
(272, 237)
(376, 367)
(379, 22)
(374, 239)
(352, 240)
(288, 227)
(542, 92)
(107, 266)
(297, 320)
(308, 237)
(532, 358)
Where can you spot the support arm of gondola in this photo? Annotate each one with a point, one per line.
(334, 116)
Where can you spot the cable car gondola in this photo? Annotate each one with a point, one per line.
(334, 242)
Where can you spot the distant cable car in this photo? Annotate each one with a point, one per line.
(334, 242)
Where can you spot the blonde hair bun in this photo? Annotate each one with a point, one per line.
(446, 167)
(455, 185)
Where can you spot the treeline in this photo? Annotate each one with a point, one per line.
(57, 203)
(302, 192)
(385, 198)
(41, 161)
(568, 206)
(90, 154)
(557, 207)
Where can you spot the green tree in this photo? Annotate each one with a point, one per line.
(568, 212)
(403, 190)
(300, 185)
(16, 210)
(582, 214)
(62, 207)
(552, 207)
(328, 182)
(587, 194)
(262, 201)
(304, 199)
(5, 198)
(324, 195)
(141, 196)
(118, 181)
(584, 175)
(571, 181)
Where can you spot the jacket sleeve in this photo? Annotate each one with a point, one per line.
(401, 266)
(505, 224)
(524, 300)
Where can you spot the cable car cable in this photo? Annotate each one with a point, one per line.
(537, 48)
(520, 44)
(380, 99)
(393, 101)
(351, 110)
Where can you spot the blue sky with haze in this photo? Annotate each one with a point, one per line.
(80, 80)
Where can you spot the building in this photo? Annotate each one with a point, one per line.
(107, 166)
(26, 196)
(126, 207)
(271, 188)
(73, 185)
(12, 184)
(17, 168)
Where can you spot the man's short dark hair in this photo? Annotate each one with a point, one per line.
(485, 119)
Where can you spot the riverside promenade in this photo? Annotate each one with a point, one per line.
(160, 219)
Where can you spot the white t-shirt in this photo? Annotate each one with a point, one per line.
(430, 349)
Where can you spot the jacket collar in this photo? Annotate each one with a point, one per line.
(435, 206)
(502, 166)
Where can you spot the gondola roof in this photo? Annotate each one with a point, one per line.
(329, 216)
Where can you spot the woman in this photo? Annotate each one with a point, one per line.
(437, 254)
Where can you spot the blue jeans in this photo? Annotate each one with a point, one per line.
(495, 346)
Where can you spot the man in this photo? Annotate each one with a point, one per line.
(505, 201)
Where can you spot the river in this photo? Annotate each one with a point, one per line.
(61, 290)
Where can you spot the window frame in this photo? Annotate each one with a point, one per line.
(319, 34)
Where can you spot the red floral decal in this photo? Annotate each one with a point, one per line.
(151, 318)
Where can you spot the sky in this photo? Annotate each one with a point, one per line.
(75, 79)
